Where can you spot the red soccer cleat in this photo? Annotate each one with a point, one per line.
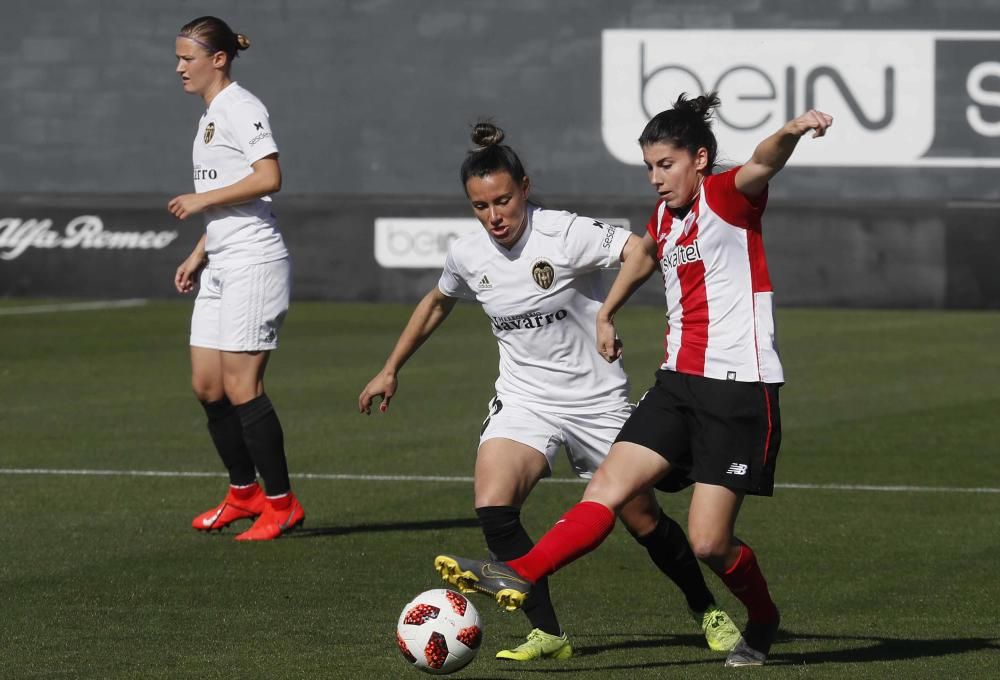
(239, 503)
(280, 516)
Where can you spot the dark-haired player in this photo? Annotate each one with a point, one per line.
(538, 275)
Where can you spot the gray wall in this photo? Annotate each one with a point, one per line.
(818, 254)
(374, 96)
(371, 102)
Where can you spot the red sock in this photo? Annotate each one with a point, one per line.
(746, 582)
(579, 531)
(242, 493)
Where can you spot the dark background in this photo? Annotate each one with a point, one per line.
(371, 103)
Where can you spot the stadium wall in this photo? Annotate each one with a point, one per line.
(391, 248)
(371, 102)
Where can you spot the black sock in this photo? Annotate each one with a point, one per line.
(227, 433)
(669, 549)
(507, 540)
(266, 443)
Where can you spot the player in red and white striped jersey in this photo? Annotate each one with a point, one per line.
(713, 413)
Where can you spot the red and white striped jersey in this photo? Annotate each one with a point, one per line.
(720, 310)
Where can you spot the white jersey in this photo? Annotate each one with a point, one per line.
(233, 134)
(542, 298)
(720, 308)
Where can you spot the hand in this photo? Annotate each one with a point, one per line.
(187, 274)
(382, 385)
(185, 205)
(609, 345)
(814, 120)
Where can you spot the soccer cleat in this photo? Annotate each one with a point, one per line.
(753, 647)
(274, 522)
(721, 633)
(230, 510)
(496, 579)
(539, 645)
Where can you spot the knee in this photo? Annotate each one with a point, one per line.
(240, 391)
(709, 547)
(490, 498)
(206, 391)
(640, 518)
(603, 489)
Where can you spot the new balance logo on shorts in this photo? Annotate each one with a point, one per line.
(737, 469)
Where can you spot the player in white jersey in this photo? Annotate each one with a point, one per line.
(713, 413)
(538, 275)
(245, 281)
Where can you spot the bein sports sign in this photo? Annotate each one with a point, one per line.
(898, 98)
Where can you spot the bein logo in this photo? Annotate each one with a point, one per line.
(898, 98)
(418, 242)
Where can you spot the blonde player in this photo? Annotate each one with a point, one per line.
(245, 280)
(713, 413)
(537, 275)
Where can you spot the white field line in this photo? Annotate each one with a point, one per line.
(71, 307)
(466, 480)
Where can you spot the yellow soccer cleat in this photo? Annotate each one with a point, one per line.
(492, 578)
(721, 633)
(539, 645)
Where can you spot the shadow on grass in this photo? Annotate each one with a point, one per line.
(852, 649)
(874, 648)
(424, 525)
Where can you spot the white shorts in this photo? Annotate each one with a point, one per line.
(587, 437)
(240, 309)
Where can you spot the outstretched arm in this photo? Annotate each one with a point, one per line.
(638, 263)
(428, 315)
(771, 154)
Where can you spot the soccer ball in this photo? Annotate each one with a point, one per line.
(439, 631)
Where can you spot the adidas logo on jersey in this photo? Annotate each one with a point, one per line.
(737, 469)
(682, 255)
(484, 283)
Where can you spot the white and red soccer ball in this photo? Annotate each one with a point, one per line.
(439, 631)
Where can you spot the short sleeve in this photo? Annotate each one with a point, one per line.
(730, 203)
(591, 244)
(452, 283)
(251, 129)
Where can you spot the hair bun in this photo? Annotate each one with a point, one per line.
(486, 134)
(242, 42)
(701, 106)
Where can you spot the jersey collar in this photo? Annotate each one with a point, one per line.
(224, 92)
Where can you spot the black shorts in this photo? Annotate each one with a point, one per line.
(712, 431)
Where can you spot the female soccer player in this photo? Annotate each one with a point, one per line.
(537, 274)
(245, 282)
(713, 412)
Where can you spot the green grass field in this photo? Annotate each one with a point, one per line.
(101, 576)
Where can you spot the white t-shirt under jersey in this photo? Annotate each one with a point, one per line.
(542, 298)
(233, 134)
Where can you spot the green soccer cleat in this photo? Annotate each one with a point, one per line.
(539, 645)
(754, 645)
(721, 633)
(492, 578)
